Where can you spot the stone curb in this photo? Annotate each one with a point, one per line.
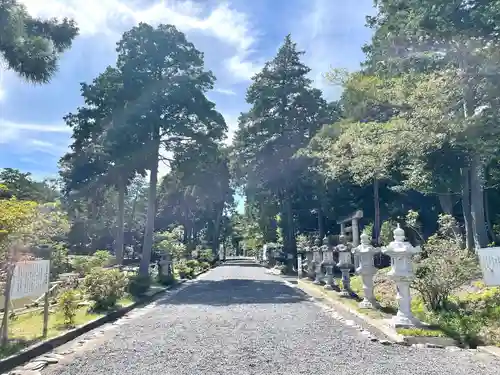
(491, 350)
(391, 334)
(43, 347)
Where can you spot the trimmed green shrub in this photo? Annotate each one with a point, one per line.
(105, 287)
(138, 285)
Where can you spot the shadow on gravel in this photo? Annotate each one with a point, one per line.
(236, 292)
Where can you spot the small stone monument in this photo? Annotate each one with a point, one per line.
(345, 264)
(317, 261)
(309, 262)
(166, 265)
(401, 253)
(367, 270)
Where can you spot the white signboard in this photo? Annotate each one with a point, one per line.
(30, 279)
(489, 260)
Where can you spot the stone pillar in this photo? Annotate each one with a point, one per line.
(299, 266)
(355, 232)
(342, 229)
(166, 265)
(310, 263)
(401, 253)
(328, 262)
(345, 265)
(317, 261)
(367, 270)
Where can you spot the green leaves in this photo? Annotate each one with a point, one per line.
(30, 46)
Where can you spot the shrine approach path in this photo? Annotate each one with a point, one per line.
(236, 320)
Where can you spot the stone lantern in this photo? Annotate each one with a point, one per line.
(300, 263)
(365, 252)
(345, 264)
(328, 262)
(317, 261)
(401, 253)
(166, 265)
(309, 261)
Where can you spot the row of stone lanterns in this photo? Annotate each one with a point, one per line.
(400, 252)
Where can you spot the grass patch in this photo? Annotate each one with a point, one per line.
(26, 330)
(471, 317)
(420, 332)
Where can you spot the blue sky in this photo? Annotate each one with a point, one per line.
(237, 36)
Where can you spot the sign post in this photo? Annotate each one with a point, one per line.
(26, 279)
(489, 260)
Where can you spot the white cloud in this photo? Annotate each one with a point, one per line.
(108, 17)
(332, 34)
(241, 68)
(232, 126)
(225, 91)
(13, 131)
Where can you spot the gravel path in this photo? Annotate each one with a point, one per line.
(238, 320)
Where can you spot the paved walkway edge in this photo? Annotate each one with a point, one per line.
(492, 350)
(46, 346)
(377, 324)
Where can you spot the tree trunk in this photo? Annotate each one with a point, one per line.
(321, 224)
(466, 209)
(489, 225)
(488, 217)
(120, 233)
(215, 242)
(291, 248)
(150, 222)
(132, 214)
(477, 203)
(376, 202)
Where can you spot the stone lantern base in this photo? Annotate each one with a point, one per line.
(401, 321)
(367, 304)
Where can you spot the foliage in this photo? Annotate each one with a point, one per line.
(100, 258)
(138, 285)
(15, 220)
(443, 268)
(184, 271)
(192, 263)
(58, 260)
(82, 265)
(206, 255)
(169, 242)
(31, 46)
(386, 232)
(68, 306)
(105, 287)
(166, 280)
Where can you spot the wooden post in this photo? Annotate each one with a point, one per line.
(45, 313)
(6, 295)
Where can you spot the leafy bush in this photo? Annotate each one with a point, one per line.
(386, 232)
(138, 285)
(105, 287)
(192, 263)
(206, 255)
(170, 242)
(100, 258)
(82, 265)
(166, 280)
(182, 270)
(189, 273)
(204, 266)
(58, 260)
(443, 267)
(68, 306)
(185, 272)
